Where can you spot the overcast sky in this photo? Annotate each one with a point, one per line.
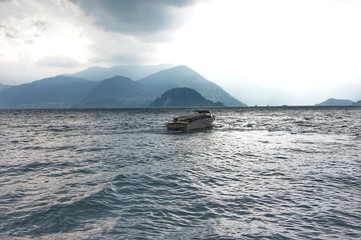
(260, 51)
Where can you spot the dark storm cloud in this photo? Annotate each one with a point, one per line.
(136, 17)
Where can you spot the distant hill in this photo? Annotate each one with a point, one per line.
(182, 76)
(183, 97)
(117, 92)
(130, 71)
(358, 103)
(336, 102)
(55, 92)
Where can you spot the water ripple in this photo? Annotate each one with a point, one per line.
(260, 173)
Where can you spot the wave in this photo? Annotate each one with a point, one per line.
(279, 173)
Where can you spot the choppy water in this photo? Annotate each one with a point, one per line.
(260, 173)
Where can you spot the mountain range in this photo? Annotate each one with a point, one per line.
(70, 91)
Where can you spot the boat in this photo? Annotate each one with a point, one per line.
(200, 119)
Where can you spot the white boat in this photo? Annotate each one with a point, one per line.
(200, 119)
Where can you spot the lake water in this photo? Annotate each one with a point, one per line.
(260, 173)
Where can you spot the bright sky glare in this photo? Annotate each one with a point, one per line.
(260, 51)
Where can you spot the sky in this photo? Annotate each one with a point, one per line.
(295, 52)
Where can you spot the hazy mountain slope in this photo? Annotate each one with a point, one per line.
(3, 86)
(182, 76)
(358, 103)
(183, 97)
(116, 92)
(130, 71)
(55, 92)
(336, 102)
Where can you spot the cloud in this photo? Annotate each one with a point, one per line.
(67, 35)
(115, 48)
(127, 32)
(58, 61)
(137, 17)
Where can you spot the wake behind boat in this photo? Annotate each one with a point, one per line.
(200, 119)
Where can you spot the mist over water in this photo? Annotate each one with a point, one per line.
(270, 173)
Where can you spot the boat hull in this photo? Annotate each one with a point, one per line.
(188, 126)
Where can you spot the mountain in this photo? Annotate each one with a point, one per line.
(358, 103)
(55, 92)
(116, 92)
(3, 86)
(183, 97)
(182, 76)
(336, 102)
(130, 71)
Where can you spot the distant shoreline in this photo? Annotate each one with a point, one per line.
(174, 108)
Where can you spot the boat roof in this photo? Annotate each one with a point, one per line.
(196, 113)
